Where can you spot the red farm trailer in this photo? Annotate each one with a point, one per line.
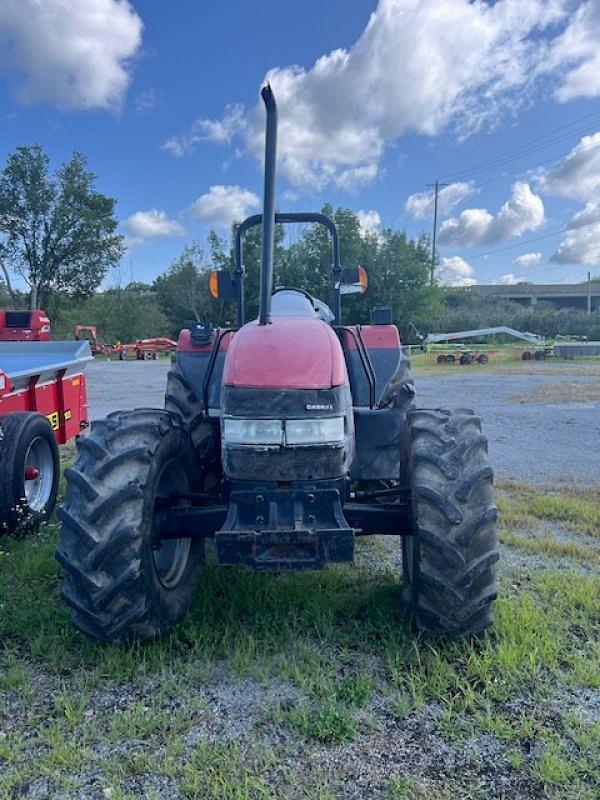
(43, 404)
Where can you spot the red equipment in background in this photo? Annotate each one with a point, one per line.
(24, 326)
(43, 404)
(141, 347)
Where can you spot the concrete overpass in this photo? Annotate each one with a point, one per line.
(560, 295)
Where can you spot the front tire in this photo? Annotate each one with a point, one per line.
(29, 471)
(449, 561)
(119, 582)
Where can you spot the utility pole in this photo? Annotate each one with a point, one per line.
(589, 294)
(436, 187)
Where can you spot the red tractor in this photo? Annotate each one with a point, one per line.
(283, 439)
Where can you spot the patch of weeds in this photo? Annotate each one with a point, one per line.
(578, 508)
(225, 772)
(14, 677)
(143, 720)
(403, 788)
(451, 724)
(354, 689)
(515, 759)
(326, 722)
(71, 706)
(547, 545)
(402, 705)
(553, 767)
(558, 392)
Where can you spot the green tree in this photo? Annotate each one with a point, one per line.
(119, 314)
(182, 291)
(56, 231)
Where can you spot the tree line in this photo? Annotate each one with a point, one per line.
(58, 234)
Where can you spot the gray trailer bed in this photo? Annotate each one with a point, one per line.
(21, 360)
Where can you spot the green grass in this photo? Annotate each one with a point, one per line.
(505, 361)
(338, 640)
(578, 509)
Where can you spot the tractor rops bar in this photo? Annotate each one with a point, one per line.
(280, 219)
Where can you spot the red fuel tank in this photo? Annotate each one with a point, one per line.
(290, 353)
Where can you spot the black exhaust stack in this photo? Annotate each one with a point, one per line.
(268, 216)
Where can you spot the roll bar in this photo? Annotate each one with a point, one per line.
(286, 218)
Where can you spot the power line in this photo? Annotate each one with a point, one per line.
(499, 162)
(537, 164)
(552, 265)
(512, 151)
(535, 239)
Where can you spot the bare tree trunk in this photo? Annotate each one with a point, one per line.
(33, 298)
(11, 291)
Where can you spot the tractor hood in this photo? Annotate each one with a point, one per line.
(292, 352)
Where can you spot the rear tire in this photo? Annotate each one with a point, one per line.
(449, 561)
(118, 582)
(27, 442)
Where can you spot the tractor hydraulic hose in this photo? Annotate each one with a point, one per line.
(268, 217)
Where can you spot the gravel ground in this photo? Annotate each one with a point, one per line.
(533, 442)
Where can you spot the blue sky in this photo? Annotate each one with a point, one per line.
(163, 100)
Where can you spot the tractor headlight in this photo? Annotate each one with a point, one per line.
(315, 431)
(253, 431)
(237, 430)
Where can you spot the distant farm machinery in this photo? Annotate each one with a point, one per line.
(142, 348)
(463, 357)
(464, 354)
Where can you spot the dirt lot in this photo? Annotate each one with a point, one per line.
(541, 421)
(313, 685)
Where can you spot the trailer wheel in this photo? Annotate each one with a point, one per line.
(483, 358)
(449, 561)
(466, 359)
(29, 471)
(441, 359)
(119, 582)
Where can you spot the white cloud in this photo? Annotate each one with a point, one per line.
(220, 131)
(72, 54)
(419, 65)
(420, 205)
(455, 271)
(151, 224)
(578, 174)
(147, 99)
(222, 205)
(508, 279)
(369, 221)
(523, 211)
(581, 242)
(576, 52)
(527, 260)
